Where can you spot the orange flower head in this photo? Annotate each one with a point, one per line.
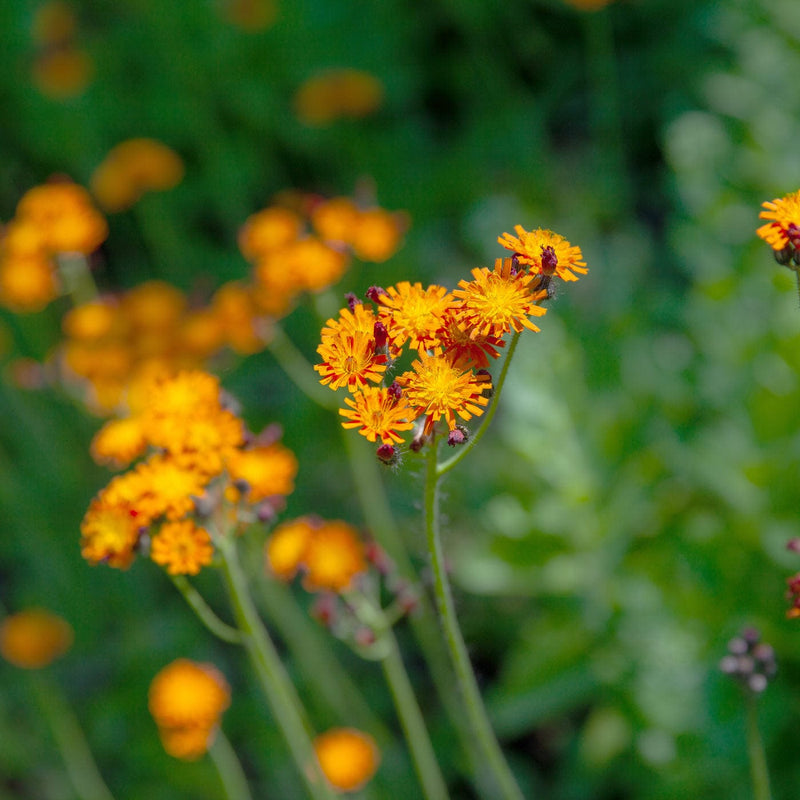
(435, 387)
(182, 547)
(27, 284)
(62, 72)
(268, 230)
(377, 412)
(335, 220)
(498, 301)
(377, 235)
(334, 557)
(34, 638)
(468, 348)
(89, 321)
(784, 213)
(546, 252)
(153, 306)
(336, 93)
(268, 470)
(186, 700)
(348, 758)
(413, 314)
(350, 360)
(118, 442)
(110, 533)
(285, 549)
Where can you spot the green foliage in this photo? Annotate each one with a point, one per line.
(627, 514)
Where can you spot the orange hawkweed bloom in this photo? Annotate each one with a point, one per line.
(34, 638)
(435, 387)
(182, 547)
(186, 700)
(334, 556)
(268, 470)
(285, 550)
(546, 252)
(784, 213)
(377, 412)
(109, 533)
(413, 314)
(350, 360)
(348, 757)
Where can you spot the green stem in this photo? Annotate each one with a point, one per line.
(77, 277)
(446, 466)
(219, 628)
(80, 764)
(755, 751)
(492, 760)
(299, 370)
(419, 743)
(278, 688)
(229, 768)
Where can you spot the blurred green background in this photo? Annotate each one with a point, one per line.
(629, 511)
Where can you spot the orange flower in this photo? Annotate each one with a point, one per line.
(110, 533)
(413, 314)
(268, 470)
(268, 230)
(118, 442)
(377, 412)
(34, 638)
(286, 548)
(182, 547)
(546, 252)
(334, 556)
(377, 234)
(332, 94)
(350, 360)
(186, 700)
(785, 225)
(348, 757)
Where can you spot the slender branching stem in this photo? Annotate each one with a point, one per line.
(231, 774)
(493, 763)
(75, 750)
(486, 419)
(278, 688)
(204, 613)
(755, 751)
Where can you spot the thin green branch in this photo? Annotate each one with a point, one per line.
(446, 466)
(204, 612)
(231, 774)
(493, 763)
(278, 688)
(755, 751)
(75, 750)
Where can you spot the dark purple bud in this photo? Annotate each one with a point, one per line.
(793, 545)
(381, 335)
(395, 390)
(375, 293)
(549, 260)
(352, 300)
(387, 453)
(784, 256)
(378, 557)
(457, 436)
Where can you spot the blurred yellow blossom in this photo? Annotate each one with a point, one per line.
(348, 757)
(33, 638)
(335, 93)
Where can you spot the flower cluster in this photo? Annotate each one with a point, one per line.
(329, 553)
(114, 344)
(336, 94)
(303, 244)
(201, 459)
(132, 168)
(186, 700)
(750, 661)
(51, 222)
(452, 334)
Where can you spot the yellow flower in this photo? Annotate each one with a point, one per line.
(785, 215)
(118, 442)
(90, 321)
(335, 220)
(153, 306)
(348, 757)
(546, 252)
(498, 301)
(334, 556)
(131, 169)
(437, 388)
(350, 360)
(377, 234)
(413, 314)
(109, 533)
(186, 700)
(182, 547)
(165, 488)
(268, 470)
(268, 230)
(332, 94)
(34, 638)
(377, 412)
(285, 550)
(235, 308)
(28, 283)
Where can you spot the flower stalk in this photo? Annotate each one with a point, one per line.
(755, 751)
(231, 774)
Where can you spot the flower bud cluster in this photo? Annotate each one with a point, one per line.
(750, 661)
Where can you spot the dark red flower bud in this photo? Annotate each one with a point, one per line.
(457, 436)
(352, 300)
(375, 293)
(395, 390)
(381, 335)
(549, 260)
(387, 453)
